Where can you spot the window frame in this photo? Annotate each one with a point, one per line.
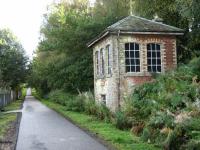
(109, 60)
(155, 57)
(97, 63)
(132, 56)
(102, 62)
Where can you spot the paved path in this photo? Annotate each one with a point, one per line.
(43, 129)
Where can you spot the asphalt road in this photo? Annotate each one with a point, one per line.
(43, 129)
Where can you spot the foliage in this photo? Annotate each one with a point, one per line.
(121, 121)
(179, 13)
(12, 61)
(168, 107)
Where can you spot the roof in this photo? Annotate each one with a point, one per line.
(137, 25)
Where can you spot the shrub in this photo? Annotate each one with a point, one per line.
(146, 135)
(192, 145)
(103, 113)
(75, 104)
(161, 120)
(121, 121)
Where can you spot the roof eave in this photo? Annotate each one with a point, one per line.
(104, 34)
(150, 32)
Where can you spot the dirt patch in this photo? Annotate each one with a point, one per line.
(10, 140)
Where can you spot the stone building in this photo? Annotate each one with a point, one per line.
(127, 53)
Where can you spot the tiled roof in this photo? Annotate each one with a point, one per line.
(138, 25)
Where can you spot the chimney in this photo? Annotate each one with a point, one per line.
(157, 19)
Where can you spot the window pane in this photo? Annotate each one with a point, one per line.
(153, 54)
(137, 68)
(148, 54)
(154, 69)
(133, 69)
(137, 61)
(153, 46)
(153, 61)
(149, 68)
(137, 54)
(158, 54)
(127, 62)
(127, 68)
(159, 68)
(136, 46)
(127, 54)
(132, 54)
(127, 46)
(132, 61)
(148, 47)
(149, 61)
(157, 47)
(158, 61)
(132, 46)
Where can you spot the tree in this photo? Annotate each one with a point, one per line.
(12, 61)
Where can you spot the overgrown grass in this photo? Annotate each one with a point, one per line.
(14, 105)
(5, 120)
(123, 140)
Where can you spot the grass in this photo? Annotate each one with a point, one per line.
(7, 119)
(14, 105)
(123, 140)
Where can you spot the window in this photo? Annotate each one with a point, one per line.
(103, 99)
(97, 62)
(102, 62)
(153, 57)
(132, 57)
(109, 55)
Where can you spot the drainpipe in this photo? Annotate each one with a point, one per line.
(119, 81)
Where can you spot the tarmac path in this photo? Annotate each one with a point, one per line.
(43, 129)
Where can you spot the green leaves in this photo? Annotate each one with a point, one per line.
(12, 60)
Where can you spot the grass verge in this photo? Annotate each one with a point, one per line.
(7, 119)
(122, 140)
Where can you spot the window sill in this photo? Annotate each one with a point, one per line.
(130, 74)
(103, 76)
(108, 75)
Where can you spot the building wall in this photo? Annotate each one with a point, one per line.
(128, 81)
(107, 84)
(110, 85)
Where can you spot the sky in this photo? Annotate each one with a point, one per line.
(24, 18)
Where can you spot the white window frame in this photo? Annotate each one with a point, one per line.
(134, 59)
(97, 62)
(109, 60)
(156, 58)
(102, 62)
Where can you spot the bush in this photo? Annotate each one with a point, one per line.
(146, 135)
(75, 104)
(121, 121)
(103, 113)
(161, 120)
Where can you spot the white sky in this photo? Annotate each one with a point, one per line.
(24, 18)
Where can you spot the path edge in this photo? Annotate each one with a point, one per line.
(18, 121)
(87, 131)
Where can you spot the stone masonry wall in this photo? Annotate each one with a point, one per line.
(107, 84)
(119, 80)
